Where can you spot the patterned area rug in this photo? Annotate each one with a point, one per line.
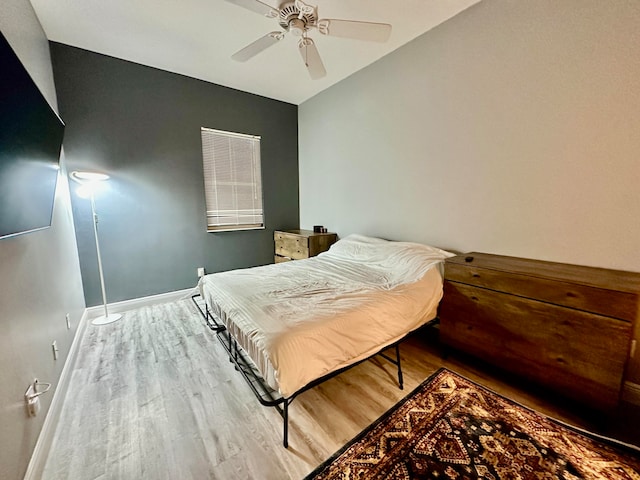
(453, 428)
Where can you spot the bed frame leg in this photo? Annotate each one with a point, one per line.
(209, 319)
(234, 352)
(400, 380)
(285, 416)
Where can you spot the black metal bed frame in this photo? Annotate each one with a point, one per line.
(265, 394)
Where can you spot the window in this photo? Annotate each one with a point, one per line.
(232, 180)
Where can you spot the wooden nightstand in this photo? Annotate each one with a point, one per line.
(299, 244)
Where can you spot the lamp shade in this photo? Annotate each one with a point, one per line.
(89, 182)
(84, 177)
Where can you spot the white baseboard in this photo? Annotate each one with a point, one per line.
(45, 439)
(126, 305)
(631, 393)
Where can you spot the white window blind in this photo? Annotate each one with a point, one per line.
(232, 180)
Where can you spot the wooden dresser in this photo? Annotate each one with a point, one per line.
(299, 244)
(566, 327)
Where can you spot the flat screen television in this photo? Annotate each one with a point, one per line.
(30, 143)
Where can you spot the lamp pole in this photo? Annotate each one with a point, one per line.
(106, 318)
(89, 180)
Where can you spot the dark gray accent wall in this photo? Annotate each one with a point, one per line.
(142, 126)
(39, 278)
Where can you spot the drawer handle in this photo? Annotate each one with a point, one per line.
(475, 299)
(475, 275)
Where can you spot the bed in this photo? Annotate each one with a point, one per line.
(300, 322)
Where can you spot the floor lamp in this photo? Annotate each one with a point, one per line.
(89, 181)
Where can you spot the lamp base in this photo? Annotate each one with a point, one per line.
(103, 320)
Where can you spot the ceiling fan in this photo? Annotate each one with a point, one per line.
(298, 18)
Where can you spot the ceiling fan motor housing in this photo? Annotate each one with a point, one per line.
(291, 20)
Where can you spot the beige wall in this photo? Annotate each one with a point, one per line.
(39, 279)
(513, 128)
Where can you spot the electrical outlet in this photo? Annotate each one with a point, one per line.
(200, 271)
(54, 347)
(68, 320)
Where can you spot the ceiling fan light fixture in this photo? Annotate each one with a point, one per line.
(297, 27)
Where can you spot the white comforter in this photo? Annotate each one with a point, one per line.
(301, 320)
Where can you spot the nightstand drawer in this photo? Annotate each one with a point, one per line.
(300, 244)
(292, 246)
(279, 259)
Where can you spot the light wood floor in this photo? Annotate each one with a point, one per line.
(153, 396)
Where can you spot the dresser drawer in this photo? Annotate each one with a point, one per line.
(566, 327)
(584, 288)
(578, 353)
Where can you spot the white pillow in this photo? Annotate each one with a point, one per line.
(404, 261)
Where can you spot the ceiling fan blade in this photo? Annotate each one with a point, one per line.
(373, 32)
(311, 58)
(257, 6)
(256, 47)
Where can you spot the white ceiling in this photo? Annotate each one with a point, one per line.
(197, 38)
